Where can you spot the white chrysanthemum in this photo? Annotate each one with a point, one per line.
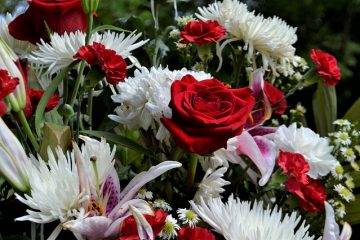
(212, 184)
(342, 138)
(55, 191)
(315, 149)
(144, 194)
(145, 98)
(345, 193)
(348, 153)
(214, 162)
(188, 217)
(161, 204)
(242, 220)
(342, 122)
(59, 52)
(21, 48)
(170, 228)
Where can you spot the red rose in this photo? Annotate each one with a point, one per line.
(201, 32)
(60, 16)
(33, 99)
(312, 194)
(275, 97)
(294, 164)
(327, 66)
(206, 114)
(112, 64)
(196, 233)
(129, 228)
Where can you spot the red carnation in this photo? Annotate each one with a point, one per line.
(312, 194)
(205, 114)
(59, 16)
(33, 99)
(7, 86)
(112, 64)
(327, 66)
(275, 97)
(129, 229)
(294, 164)
(201, 32)
(196, 233)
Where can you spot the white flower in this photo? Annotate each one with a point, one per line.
(21, 48)
(60, 51)
(348, 153)
(170, 228)
(342, 138)
(145, 97)
(315, 149)
(188, 217)
(217, 160)
(55, 189)
(342, 122)
(338, 171)
(161, 204)
(345, 193)
(144, 194)
(212, 184)
(242, 220)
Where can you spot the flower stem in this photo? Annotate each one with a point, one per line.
(90, 107)
(27, 130)
(191, 172)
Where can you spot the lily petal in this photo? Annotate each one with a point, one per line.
(93, 228)
(144, 228)
(331, 229)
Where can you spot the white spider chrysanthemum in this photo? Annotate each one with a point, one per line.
(217, 160)
(55, 191)
(315, 149)
(59, 52)
(161, 204)
(242, 220)
(21, 48)
(145, 98)
(271, 37)
(212, 184)
(188, 217)
(170, 228)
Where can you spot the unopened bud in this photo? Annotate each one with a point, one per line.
(90, 6)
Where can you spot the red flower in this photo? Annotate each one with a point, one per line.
(33, 99)
(275, 97)
(196, 233)
(294, 164)
(7, 86)
(206, 113)
(327, 66)
(129, 228)
(312, 194)
(201, 32)
(112, 64)
(59, 16)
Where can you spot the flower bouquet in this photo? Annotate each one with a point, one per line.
(193, 119)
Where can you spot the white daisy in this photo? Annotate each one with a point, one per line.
(348, 153)
(55, 189)
(315, 149)
(60, 51)
(242, 220)
(212, 184)
(144, 194)
(161, 204)
(345, 193)
(342, 138)
(342, 122)
(21, 48)
(145, 98)
(170, 228)
(188, 217)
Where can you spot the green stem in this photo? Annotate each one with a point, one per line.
(191, 172)
(90, 107)
(66, 89)
(27, 130)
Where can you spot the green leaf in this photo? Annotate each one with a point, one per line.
(109, 27)
(93, 78)
(324, 108)
(53, 117)
(353, 114)
(353, 211)
(39, 114)
(121, 140)
(55, 135)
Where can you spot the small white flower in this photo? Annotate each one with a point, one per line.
(144, 194)
(342, 138)
(348, 153)
(188, 217)
(161, 204)
(345, 193)
(170, 228)
(342, 122)
(315, 149)
(338, 171)
(212, 184)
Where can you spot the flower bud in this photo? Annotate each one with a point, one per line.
(7, 62)
(90, 6)
(13, 159)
